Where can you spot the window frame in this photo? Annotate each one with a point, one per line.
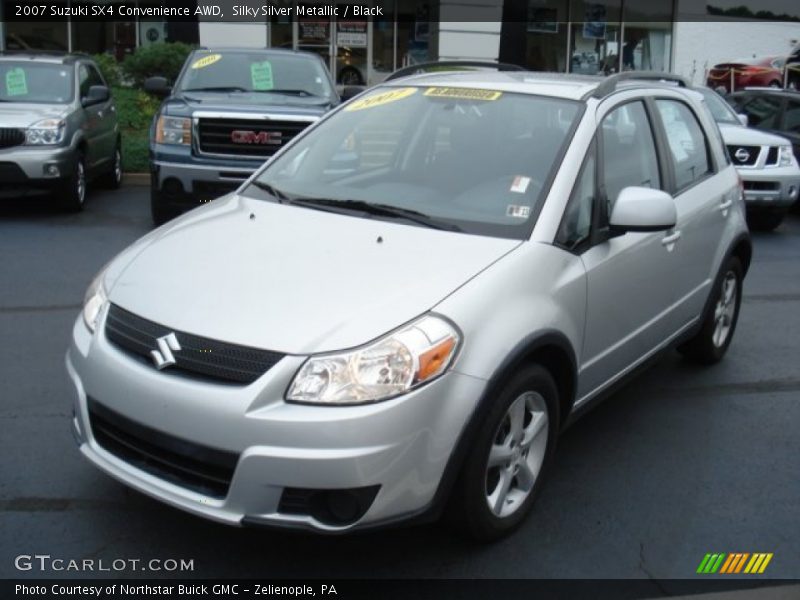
(591, 152)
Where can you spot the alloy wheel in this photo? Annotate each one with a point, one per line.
(725, 309)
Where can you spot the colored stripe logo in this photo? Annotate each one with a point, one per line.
(733, 563)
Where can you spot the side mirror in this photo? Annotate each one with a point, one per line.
(97, 95)
(351, 91)
(158, 86)
(643, 209)
(743, 119)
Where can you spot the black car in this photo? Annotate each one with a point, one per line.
(773, 110)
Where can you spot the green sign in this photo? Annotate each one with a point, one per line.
(16, 84)
(261, 76)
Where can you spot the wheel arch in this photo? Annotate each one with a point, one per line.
(742, 248)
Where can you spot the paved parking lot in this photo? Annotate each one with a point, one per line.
(682, 462)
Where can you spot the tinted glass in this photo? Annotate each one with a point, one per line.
(478, 160)
(629, 151)
(27, 81)
(687, 142)
(792, 117)
(762, 111)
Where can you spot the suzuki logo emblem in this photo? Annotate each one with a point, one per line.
(260, 138)
(163, 357)
(742, 155)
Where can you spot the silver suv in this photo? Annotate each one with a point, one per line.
(398, 314)
(58, 127)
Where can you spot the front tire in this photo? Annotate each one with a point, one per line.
(160, 213)
(503, 471)
(113, 179)
(712, 341)
(71, 195)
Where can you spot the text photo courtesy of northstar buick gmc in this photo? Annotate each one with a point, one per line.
(385, 333)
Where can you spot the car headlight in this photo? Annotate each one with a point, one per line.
(46, 132)
(786, 156)
(94, 301)
(388, 367)
(173, 130)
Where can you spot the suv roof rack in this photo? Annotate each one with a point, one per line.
(609, 85)
(451, 65)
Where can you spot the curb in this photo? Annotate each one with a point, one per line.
(136, 179)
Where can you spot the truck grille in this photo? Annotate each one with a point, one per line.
(246, 137)
(772, 156)
(747, 155)
(198, 356)
(205, 470)
(11, 137)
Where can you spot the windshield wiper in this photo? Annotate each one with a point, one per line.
(273, 191)
(380, 210)
(288, 92)
(218, 89)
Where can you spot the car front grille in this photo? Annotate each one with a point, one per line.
(199, 468)
(748, 155)
(198, 356)
(246, 137)
(762, 186)
(10, 137)
(772, 156)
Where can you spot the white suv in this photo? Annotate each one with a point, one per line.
(404, 307)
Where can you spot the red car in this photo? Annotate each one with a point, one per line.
(750, 72)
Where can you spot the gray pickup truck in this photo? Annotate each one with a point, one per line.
(58, 127)
(229, 111)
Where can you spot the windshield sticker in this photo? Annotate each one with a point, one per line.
(520, 184)
(462, 93)
(206, 61)
(518, 212)
(16, 83)
(381, 99)
(261, 76)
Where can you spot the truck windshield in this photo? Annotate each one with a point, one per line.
(720, 110)
(41, 83)
(255, 72)
(472, 160)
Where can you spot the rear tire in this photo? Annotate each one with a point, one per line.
(712, 341)
(113, 179)
(509, 456)
(71, 195)
(160, 213)
(765, 221)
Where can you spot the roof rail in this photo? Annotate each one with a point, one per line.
(609, 85)
(451, 65)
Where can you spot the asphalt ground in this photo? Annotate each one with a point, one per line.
(682, 462)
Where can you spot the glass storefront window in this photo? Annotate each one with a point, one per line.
(594, 43)
(546, 35)
(647, 35)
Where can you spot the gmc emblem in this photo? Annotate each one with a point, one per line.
(262, 138)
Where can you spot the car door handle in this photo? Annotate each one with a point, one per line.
(668, 241)
(724, 206)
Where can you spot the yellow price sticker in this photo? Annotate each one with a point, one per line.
(381, 99)
(462, 93)
(206, 61)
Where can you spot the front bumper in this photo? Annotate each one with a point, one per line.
(27, 170)
(770, 187)
(399, 447)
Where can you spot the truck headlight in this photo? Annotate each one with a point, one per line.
(94, 300)
(47, 132)
(174, 130)
(388, 367)
(786, 156)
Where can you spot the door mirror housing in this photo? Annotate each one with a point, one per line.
(97, 95)
(743, 119)
(158, 86)
(643, 209)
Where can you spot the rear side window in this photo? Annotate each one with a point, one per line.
(629, 151)
(687, 142)
(762, 111)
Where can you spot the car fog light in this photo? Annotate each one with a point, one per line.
(52, 171)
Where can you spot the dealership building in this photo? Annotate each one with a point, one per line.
(579, 36)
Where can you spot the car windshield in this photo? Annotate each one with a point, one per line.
(28, 81)
(719, 109)
(471, 160)
(256, 73)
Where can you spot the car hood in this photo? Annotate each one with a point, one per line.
(257, 104)
(737, 135)
(291, 279)
(23, 115)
